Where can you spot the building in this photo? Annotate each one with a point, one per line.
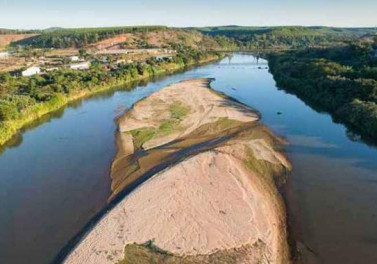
(52, 69)
(4, 54)
(163, 57)
(120, 61)
(80, 66)
(31, 71)
(169, 51)
(75, 58)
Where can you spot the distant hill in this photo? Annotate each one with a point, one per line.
(237, 31)
(53, 29)
(286, 36)
(222, 37)
(125, 37)
(79, 37)
(161, 38)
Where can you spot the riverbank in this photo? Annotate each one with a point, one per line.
(207, 173)
(338, 80)
(10, 128)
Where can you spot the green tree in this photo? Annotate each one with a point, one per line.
(82, 52)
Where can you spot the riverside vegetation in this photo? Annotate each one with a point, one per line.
(24, 99)
(284, 37)
(339, 80)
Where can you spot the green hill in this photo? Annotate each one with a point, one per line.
(79, 37)
(286, 36)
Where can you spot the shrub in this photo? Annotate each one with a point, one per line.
(8, 112)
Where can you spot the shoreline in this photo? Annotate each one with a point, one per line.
(150, 173)
(14, 127)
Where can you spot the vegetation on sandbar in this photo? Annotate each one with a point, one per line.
(151, 254)
(177, 112)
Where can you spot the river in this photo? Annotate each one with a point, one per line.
(57, 175)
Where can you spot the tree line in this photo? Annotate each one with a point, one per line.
(339, 80)
(79, 37)
(285, 37)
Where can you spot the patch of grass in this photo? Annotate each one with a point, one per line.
(142, 135)
(216, 128)
(226, 123)
(167, 127)
(264, 168)
(177, 113)
(148, 253)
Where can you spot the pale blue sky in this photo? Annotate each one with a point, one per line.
(69, 13)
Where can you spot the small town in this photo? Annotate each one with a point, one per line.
(21, 63)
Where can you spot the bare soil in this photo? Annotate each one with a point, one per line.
(5, 40)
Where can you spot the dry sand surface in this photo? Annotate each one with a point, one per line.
(214, 200)
(205, 106)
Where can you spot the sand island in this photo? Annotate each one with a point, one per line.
(204, 175)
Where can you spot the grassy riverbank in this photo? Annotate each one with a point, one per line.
(25, 99)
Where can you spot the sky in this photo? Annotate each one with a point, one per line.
(40, 14)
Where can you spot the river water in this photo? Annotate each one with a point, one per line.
(57, 175)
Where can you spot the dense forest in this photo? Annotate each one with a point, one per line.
(285, 37)
(229, 37)
(22, 99)
(79, 37)
(338, 80)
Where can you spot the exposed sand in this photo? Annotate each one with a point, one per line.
(211, 201)
(205, 106)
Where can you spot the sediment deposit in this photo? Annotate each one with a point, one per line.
(213, 198)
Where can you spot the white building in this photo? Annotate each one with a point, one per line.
(75, 58)
(4, 54)
(120, 61)
(80, 66)
(52, 69)
(31, 71)
(163, 57)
